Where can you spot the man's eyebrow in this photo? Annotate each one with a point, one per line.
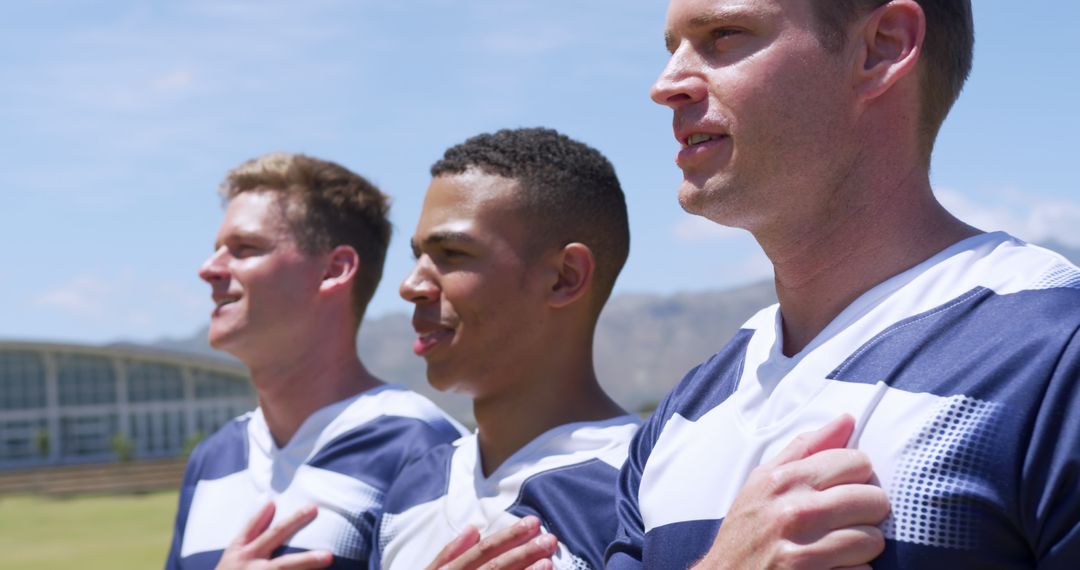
(710, 19)
(439, 237)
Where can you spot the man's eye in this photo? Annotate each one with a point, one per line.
(242, 250)
(724, 33)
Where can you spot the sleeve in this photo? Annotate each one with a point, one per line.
(1049, 499)
(627, 550)
(187, 491)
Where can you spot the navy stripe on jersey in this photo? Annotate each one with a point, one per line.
(574, 503)
(917, 353)
(422, 480)
(223, 453)
(372, 452)
(688, 540)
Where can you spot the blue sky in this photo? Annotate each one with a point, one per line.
(119, 119)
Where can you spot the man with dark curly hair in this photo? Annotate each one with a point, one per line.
(521, 237)
(296, 260)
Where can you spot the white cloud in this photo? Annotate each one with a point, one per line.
(1026, 215)
(84, 296)
(174, 82)
(124, 305)
(698, 229)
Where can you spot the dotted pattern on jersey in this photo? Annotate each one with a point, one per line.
(579, 564)
(930, 494)
(386, 530)
(353, 540)
(1064, 276)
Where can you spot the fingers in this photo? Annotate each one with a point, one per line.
(257, 524)
(852, 547)
(269, 540)
(833, 435)
(303, 560)
(851, 506)
(826, 469)
(499, 543)
(533, 555)
(455, 548)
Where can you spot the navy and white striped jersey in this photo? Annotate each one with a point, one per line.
(566, 478)
(963, 374)
(343, 458)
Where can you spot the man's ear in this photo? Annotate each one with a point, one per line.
(891, 44)
(342, 263)
(576, 267)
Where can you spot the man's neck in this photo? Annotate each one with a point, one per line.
(291, 387)
(559, 389)
(829, 266)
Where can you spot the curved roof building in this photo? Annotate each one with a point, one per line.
(66, 403)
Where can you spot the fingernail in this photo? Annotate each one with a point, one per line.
(545, 541)
(530, 522)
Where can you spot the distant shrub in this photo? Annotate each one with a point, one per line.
(191, 441)
(122, 447)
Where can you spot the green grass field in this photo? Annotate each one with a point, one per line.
(89, 533)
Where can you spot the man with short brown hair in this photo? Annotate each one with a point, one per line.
(296, 260)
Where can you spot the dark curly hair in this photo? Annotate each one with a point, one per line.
(325, 205)
(568, 191)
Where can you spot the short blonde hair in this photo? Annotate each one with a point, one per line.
(325, 205)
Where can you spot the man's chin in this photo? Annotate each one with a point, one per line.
(443, 380)
(694, 197)
(221, 340)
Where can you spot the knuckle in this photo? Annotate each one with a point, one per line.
(782, 479)
(794, 556)
(788, 517)
(793, 516)
(485, 546)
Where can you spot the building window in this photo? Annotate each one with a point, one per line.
(158, 433)
(22, 440)
(85, 380)
(214, 385)
(22, 380)
(87, 435)
(152, 382)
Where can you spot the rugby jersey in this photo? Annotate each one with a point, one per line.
(565, 477)
(342, 458)
(963, 374)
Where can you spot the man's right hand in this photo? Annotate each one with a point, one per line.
(522, 546)
(809, 507)
(252, 549)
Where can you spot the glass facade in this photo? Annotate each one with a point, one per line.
(152, 382)
(64, 404)
(86, 380)
(23, 440)
(213, 386)
(22, 380)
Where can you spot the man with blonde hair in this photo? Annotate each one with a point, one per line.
(296, 260)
